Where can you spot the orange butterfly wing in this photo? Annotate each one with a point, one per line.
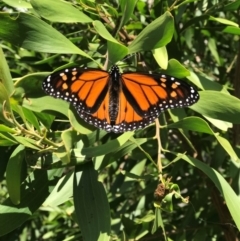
(86, 89)
(144, 96)
(119, 102)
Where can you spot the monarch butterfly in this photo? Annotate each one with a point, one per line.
(119, 102)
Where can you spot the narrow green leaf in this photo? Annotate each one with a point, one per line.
(7, 138)
(218, 106)
(109, 147)
(193, 124)
(27, 142)
(34, 34)
(5, 75)
(17, 3)
(224, 21)
(158, 222)
(199, 125)
(31, 118)
(33, 194)
(161, 56)
(48, 104)
(91, 204)
(116, 50)
(59, 11)
(167, 203)
(13, 174)
(127, 7)
(31, 85)
(4, 128)
(45, 119)
(121, 151)
(222, 125)
(4, 96)
(4, 104)
(204, 83)
(176, 69)
(231, 30)
(78, 123)
(228, 148)
(232, 6)
(103, 32)
(232, 200)
(62, 192)
(157, 34)
(213, 49)
(69, 137)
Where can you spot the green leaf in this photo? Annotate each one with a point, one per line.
(45, 119)
(213, 49)
(48, 104)
(5, 75)
(14, 139)
(27, 142)
(62, 192)
(119, 152)
(116, 50)
(161, 56)
(223, 21)
(4, 104)
(218, 106)
(78, 123)
(167, 202)
(231, 30)
(157, 34)
(193, 124)
(228, 148)
(232, 200)
(222, 125)
(158, 222)
(4, 97)
(108, 147)
(176, 69)
(33, 194)
(14, 172)
(7, 139)
(69, 137)
(127, 7)
(31, 118)
(91, 204)
(59, 11)
(203, 82)
(34, 34)
(232, 6)
(31, 85)
(199, 125)
(17, 3)
(4, 128)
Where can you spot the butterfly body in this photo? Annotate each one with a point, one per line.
(114, 88)
(119, 102)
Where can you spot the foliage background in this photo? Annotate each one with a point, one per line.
(49, 187)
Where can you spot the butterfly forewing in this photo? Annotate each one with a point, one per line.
(155, 93)
(81, 87)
